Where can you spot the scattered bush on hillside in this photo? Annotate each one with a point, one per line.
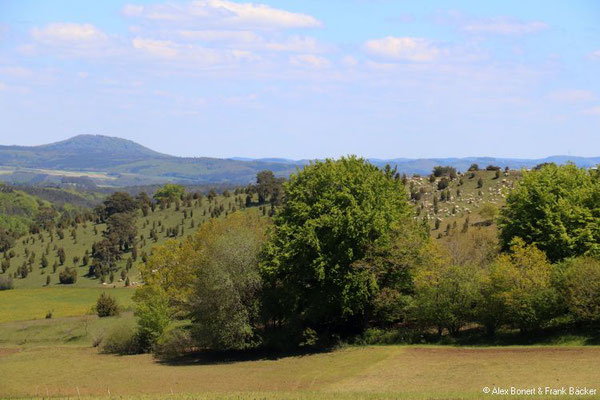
(7, 240)
(440, 171)
(106, 306)
(6, 283)
(68, 276)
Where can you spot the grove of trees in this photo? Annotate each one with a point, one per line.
(344, 255)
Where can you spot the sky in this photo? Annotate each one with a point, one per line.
(305, 78)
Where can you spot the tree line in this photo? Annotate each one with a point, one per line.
(344, 254)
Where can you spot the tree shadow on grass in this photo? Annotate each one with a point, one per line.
(236, 356)
(567, 334)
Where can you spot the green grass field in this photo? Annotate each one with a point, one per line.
(28, 304)
(400, 372)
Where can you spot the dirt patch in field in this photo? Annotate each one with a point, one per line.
(7, 352)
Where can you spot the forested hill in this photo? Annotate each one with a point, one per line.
(83, 152)
(116, 162)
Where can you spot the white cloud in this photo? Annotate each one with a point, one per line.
(223, 13)
(160, 48)
(592, 111)
(251, 40)
(595, 54)
(60, 33)
(503, 26)
(169, 50)
(309, 60)
(572, 96)
(243, 36)
(403, 48)
(18, 72)
(349, 61)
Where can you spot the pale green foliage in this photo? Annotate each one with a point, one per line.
(169, 192)
(153, 314)
(211, 278)
(488, 211)
(444, 294)
(517, 289)
(224, 305)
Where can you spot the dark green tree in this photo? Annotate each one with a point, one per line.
(335, 212)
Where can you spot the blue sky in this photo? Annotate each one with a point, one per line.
(305, 79)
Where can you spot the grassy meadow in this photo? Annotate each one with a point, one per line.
(71, 367)
(36, 303)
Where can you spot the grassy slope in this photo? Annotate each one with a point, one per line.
(468, 204)
(18, 209)
(29, 304)
(85, 237)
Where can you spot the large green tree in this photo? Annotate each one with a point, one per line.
(558, 209)
(210, 279)
(334, 215)
(516, 289)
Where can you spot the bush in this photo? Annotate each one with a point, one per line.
(443, 184)
(173, 343)
(517, 290)
(121, 340)
(106, 306)
(6, 283)
(68, 276)
(582, 288)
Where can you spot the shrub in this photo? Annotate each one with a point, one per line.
(123, 340)
(68, 276)
(582, 288)
(516, 289)
(152, 313)
(173, 343)
(106, 306)
(6, 283)
(443, 184)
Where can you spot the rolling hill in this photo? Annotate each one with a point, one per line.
(111, 161)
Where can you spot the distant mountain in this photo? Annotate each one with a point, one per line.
(111, 161)
(123, 163)
(83, 152)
